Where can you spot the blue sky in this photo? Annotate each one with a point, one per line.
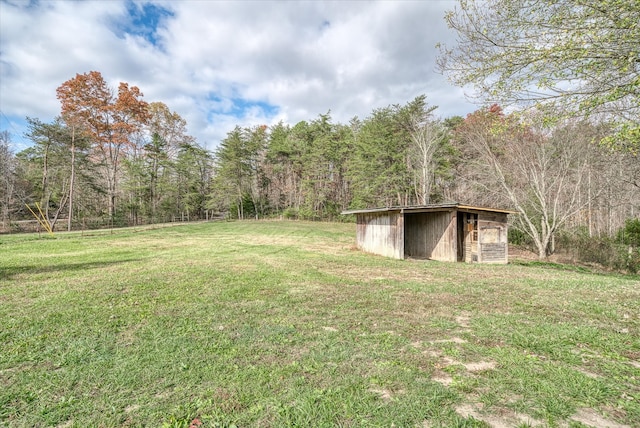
(142, 20)
(225, 63)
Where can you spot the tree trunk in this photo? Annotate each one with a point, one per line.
(44, 201)
(72, 179)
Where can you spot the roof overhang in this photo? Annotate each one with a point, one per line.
(429, 208)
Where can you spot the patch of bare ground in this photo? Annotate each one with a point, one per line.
(520, 254)
(506, 418)
(523, 254)
(385, 394)
(452, 340)
(463, 321)
(473, 367)
(500, 418)
(590, 418)
(443, 379)
(480, 366)
(587, 373)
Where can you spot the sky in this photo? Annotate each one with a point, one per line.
(219, 64)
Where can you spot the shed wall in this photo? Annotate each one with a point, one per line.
(381, 233)
(448, 235)
(492, 237)
(431, 235)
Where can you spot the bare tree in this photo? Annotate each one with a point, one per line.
(540, 172)
(7, 177)
(426, 135)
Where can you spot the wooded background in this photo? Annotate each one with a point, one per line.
(564, 155)
(112, 159)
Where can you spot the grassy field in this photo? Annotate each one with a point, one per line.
(261, 324)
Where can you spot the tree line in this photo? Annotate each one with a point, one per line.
(558, 177)
(109, 158)
(564, 155)
(113, 159)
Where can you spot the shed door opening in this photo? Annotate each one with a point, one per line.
(460, 226)
(467, 228)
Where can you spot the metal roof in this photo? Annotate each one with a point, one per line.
(429, 208)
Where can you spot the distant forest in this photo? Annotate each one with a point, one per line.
(112, 159)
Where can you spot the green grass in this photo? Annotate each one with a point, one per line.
(286, 324)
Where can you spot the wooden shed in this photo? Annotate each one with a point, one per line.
(447, 232)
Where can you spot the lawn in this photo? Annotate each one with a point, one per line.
(267, 324)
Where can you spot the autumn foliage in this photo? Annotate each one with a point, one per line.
(110, 119)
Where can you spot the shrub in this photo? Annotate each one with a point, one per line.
(518, 237)
(290, 213)
(630, 233)
(612, 253)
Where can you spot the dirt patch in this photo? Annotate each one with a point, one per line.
(468, 410)
(505, 419)
(415, 344)
(385, 394)
(591, 418)
(443, 380)
(452, 340)
(588, 373)
(480, 366)
(463, 321)
(519, 253)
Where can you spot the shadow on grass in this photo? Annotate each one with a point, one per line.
(8, 273)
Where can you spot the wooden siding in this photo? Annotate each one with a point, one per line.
(493, 253)
(471, 252)
(431, 236)
(494, 217)
(381, 233)
(492, 237)
(434, 232)
(468, 228)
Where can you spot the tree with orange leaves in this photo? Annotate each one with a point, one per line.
(111, 120)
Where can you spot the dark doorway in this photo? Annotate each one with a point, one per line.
(460, 226)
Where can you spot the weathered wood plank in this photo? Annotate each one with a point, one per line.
(431, 232)
(381, 233)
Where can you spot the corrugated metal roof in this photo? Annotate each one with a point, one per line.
(429, 208)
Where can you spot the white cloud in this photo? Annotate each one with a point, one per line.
(219, 64)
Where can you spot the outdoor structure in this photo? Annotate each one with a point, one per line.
(447, 232)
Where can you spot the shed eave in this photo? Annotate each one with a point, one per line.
(429, 208)
(495, 210)
(372, 210)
